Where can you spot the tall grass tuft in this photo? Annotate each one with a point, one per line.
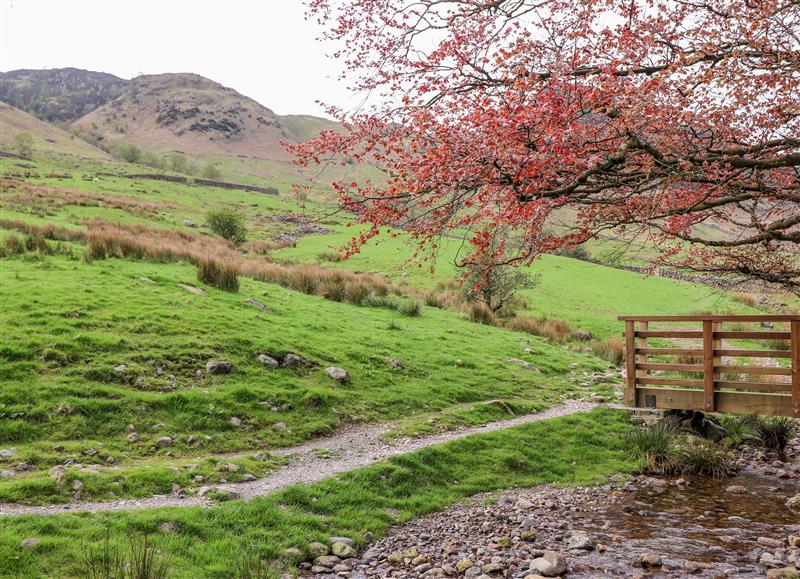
(655, 446)
(775, 433)
(740, 429)
(108, 562)
(217, 274)
(479, 313)
(703, 458)
(611, 349)
(410, 307)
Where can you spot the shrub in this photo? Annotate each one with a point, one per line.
(703, 458)
(220, 275)
(480, 313)
(496, 285)
(34, 241)
(13, 245)
(655, 446)
(333, 290)
(210, 171)
(130, 153)
(108, 562)
(24, 144)
(774, 344)
(611, 349)
(410, 308)
(775, 433)
(228, 224)
(576, 252)
(355, 292)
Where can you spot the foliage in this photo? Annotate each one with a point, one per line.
(702, 457)
(496, 286)
(227, 223)
(130, 153)
(106, 561)
(211, 171)
(775, 433)
(655, 446)
(740, 429)
(179, 162)
(24, 144)
(513, 114)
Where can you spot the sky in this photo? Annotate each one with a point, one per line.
(264, 49)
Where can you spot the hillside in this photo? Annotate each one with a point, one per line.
(47, 138)
(59, 94)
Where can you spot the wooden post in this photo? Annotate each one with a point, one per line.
(708, 366)
(795, 345)
(641, 358)
(630, 364)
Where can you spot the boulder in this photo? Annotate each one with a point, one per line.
(164, 441)
(394, 363)
(318, 549)
(338, 374)
(346, 540)
(343, 550)
(580, 335)
(551, 564)
(580, 541)
(267, 361)
(293, 361)
(218, 366)
(650, 559)
(329, 561)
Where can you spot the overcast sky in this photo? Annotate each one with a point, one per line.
(265, 49)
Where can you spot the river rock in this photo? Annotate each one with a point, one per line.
(650, 559)
(794, 502)
(463, 565)
(580, 542)
(318, 549)
(769, 542)
(551, 564)
(218, 366)
(329, 561)
(342, 550)
(735, 489)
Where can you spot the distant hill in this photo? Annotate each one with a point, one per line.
(47, 138)
(60, 94)
(197, 116)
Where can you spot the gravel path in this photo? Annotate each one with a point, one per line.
(349, 449)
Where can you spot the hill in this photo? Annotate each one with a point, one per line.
(47, 138)
(59, 94)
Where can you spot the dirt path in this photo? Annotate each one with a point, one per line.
(310, 462)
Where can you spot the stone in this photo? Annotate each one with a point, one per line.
(524, 364)
(769, 542)
(783, 573)
(248, 477)
(580, 542)
(472, 572)
(395, 363)
(794, 541)
(293, 361)
(164, 441)
(168, 527)
(491, 568)
(28, 543)
(133, 438)
(258, 305)
(394, 558)
(794, 502)
(268, 361)
(318, 549)
(650, 559)
(580, 335)
(343, 550)
(463, 565)
(7, 453)
(338, 374)
(294, 554)
(189, 223)
(735, 489)
(346, 540)
(550, 564)
(57, 474)
(218, 366)
(329, 561)
(120, 368)
(235, 421)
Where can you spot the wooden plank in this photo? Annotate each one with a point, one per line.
(795, 332)
(714, 318)
(670, 381)
(765, 403)
(671, 367)
(708, 365)
(641, 358)
(754, 353)
(670, 334)
(672, 351)
(754, 335)
(759, 386)
(630, 365)
(762, 370)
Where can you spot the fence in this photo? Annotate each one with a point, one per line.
(713, 365)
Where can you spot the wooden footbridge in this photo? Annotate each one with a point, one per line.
(740, 364)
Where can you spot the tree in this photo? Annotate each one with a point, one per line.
(227, 223)
(178, 162)
(130, 153)
(24, 144)
(495, 286)
(210, 171)
(673, 118)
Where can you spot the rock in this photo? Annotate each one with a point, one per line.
(7, 473)
(551, 564)
(735, 489)
(218, 366)
(7, 453)
(580, 542)
(189, 223)
(769, 542)
(258, 305)
(191, 289)
(463, 565)
(248, 477)
(650, 559)
(164, 441)
(235, 421)
(770, 560)
(57, 474)
(491, 568)
(329, 561)
(267, 361)
(120, 368)
(318, 549)
(280, 425)
(794, 502)
(294, 361)
(524, 364)
(794, 541)
(338, 374)
(394, 558)
(133, 438)
(783, 573)
(472, 572)
(230, 467)
(394, 363)
(168, 527)
(343, 550)
(346, 540)
(28, 543)
(294, 554)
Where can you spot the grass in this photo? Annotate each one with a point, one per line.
(91, 348)
(574, 450)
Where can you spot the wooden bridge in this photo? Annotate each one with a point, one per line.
(739, 364)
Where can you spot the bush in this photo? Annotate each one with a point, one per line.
(703, 458)
(130, 153)
(218, 275)
(24, 144)
(775, 433)
(211, 172)
(410, 308)
(655, 446)
(576, 252)
(496, 285)
(611, 349)
(228, 224)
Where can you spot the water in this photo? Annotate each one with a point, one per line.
(698, 523)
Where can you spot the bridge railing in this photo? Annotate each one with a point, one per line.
(741, 364)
